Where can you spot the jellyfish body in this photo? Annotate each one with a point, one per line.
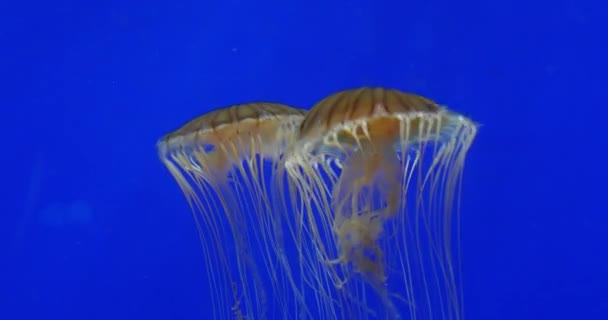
(228, 163)
(375, 177)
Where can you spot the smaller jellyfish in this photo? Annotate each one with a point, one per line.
(228, 163)
(376, 174)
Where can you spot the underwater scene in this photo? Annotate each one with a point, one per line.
(304, 160)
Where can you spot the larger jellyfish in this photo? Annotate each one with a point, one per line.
(229, 165)
(375, 184)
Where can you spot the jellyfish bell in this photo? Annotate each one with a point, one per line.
(376, 175)
(226, 136)
(226, 162)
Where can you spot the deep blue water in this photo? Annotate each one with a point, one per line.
(94, 227)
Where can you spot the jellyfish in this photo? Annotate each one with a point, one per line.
(375, 180)
(229, 165)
